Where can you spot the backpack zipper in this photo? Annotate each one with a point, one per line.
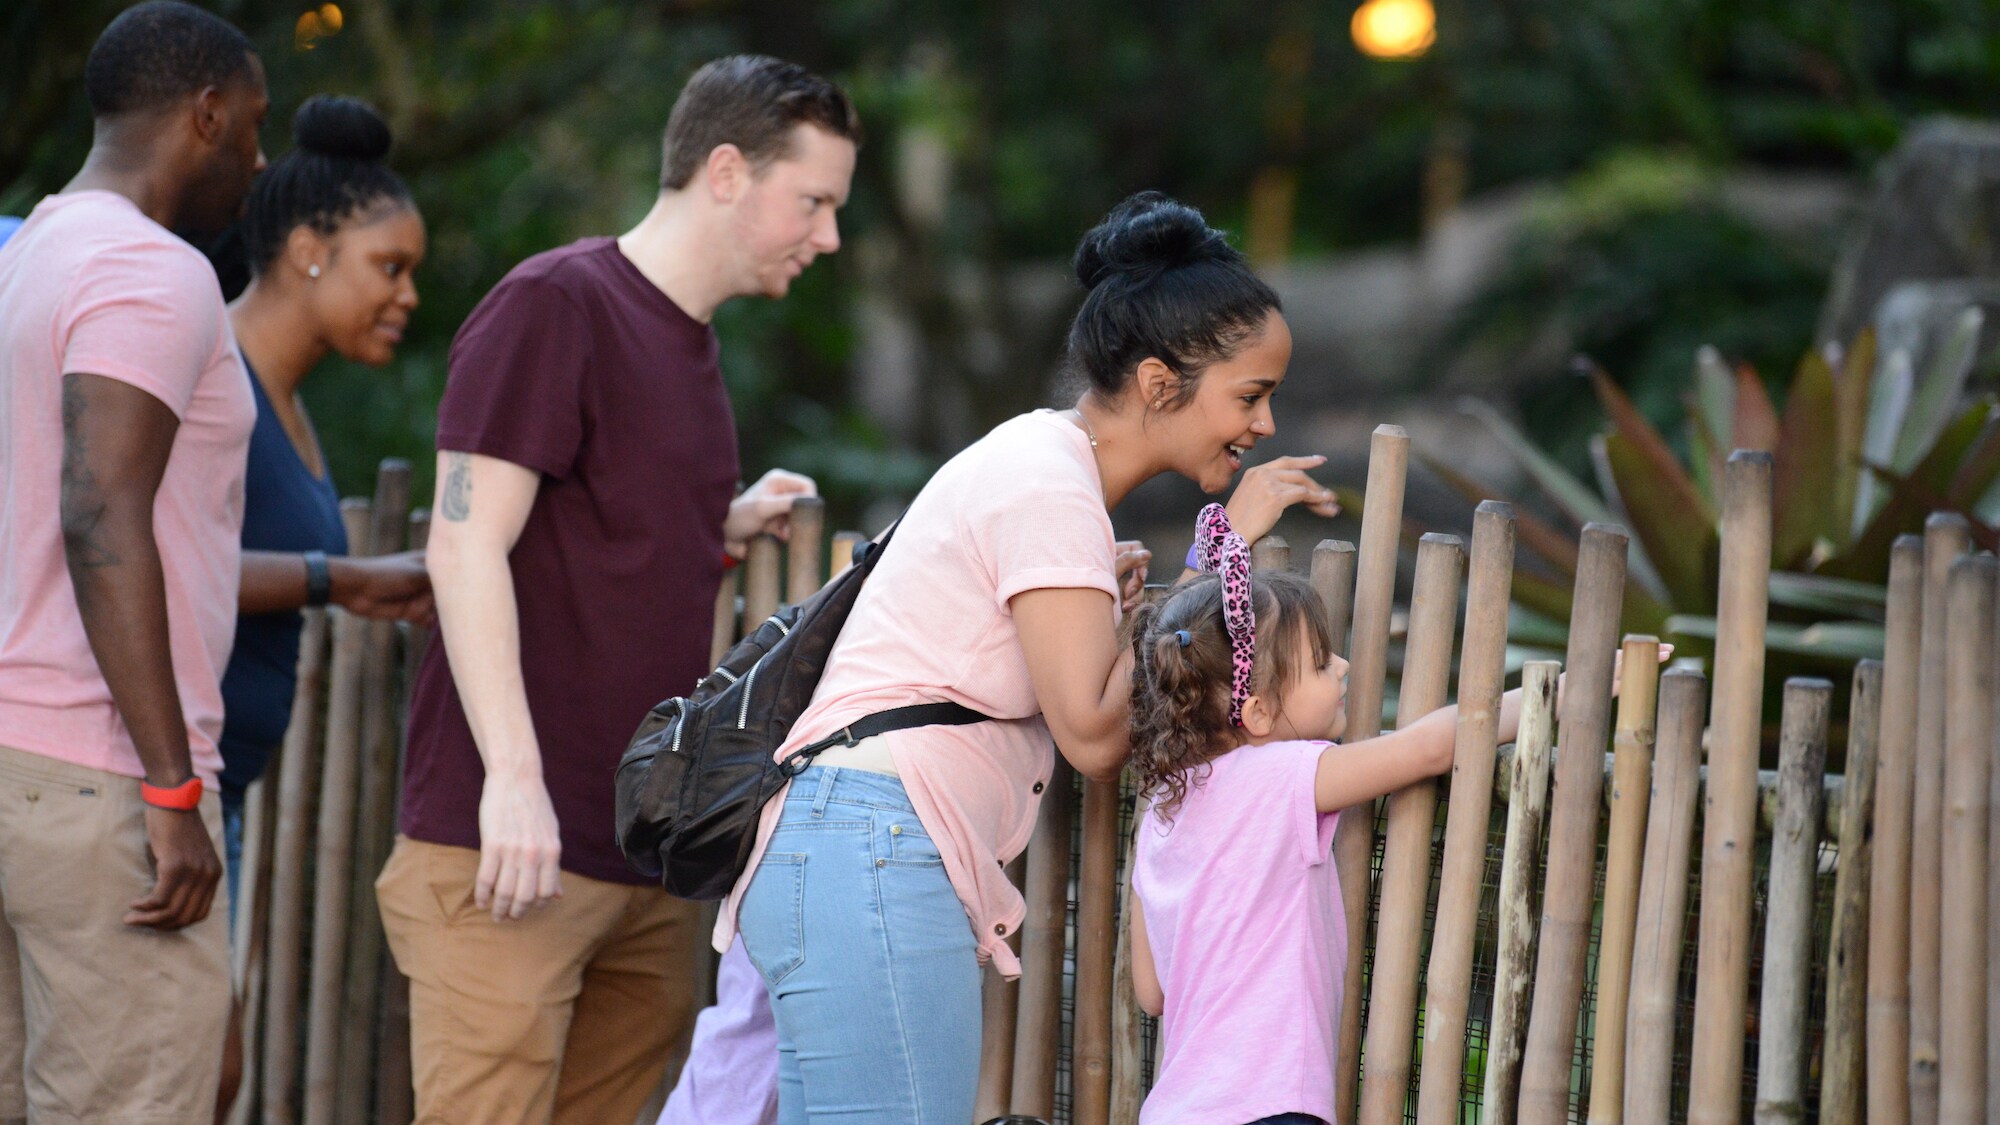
(680, 722)
(784, 630)
(749, 687)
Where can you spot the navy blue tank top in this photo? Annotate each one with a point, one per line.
(285, 508)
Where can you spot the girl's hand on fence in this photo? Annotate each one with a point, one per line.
(1131, 570)
(519, 848)
(1617, 675)
(1266, 490)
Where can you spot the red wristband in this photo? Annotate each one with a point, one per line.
(729, 562)
(181, 798)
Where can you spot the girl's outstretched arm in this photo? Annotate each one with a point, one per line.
(1145, 977)
(1352, 774)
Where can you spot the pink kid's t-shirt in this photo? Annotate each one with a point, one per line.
(1243, 916)
(90, 285)
(1020, 509)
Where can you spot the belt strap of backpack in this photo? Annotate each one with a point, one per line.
(882, 722)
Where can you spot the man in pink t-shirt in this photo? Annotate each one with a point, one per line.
(125, 416)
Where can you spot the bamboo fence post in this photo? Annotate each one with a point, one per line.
(760, 582)
(1128, 1029)
(844, 543)
(1888, 1080)
(1781, 1010)
(1368, 668)
(375, 823)
(1663, 889)
(1096, 949)
(1527, 802)
(1993, 907)
(1842, 1060)
(1946, 536)
(1970, 682)
(278, 1063)
(724, 636)
(1729, 826)
(1406, 845)
(334, 856)
(252, 932)
(804, 547)
(395, 1091)
(1574, 813)
(1631, 785)
(1271, 552)
(1333, 580)
(1482, 673)
(1000, 1002)
(1038, 1031)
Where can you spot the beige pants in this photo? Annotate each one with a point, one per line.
(569, 1014)
(100, 1021)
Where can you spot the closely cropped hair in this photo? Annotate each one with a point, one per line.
(1162, 284)
(1180, 693)
(333, 173)
(752, 102)
(158, 52)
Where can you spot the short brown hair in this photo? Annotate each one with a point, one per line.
(752, 102)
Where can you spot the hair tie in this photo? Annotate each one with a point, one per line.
(1184, 637)
(1219, 549)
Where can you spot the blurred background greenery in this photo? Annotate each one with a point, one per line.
(1621, 133)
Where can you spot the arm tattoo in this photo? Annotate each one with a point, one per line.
(82, 501)
(456, 503)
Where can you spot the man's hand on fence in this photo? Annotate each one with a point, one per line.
(764, 508)
(519, 849)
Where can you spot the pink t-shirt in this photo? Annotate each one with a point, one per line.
(1244, 919)
(1020, 509)
(90, 285)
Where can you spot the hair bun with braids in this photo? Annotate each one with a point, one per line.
(342, 128)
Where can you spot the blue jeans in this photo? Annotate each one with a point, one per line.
(232, 850)
(873, 973)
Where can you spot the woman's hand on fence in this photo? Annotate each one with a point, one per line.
(764, 508)
(1131, 570)
(1266, 490)
(519, 849)
(386, 587)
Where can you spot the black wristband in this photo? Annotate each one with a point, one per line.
(319, 581)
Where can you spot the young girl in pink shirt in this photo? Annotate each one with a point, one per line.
(1238, 939)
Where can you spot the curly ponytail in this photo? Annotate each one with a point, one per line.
(1181, 674)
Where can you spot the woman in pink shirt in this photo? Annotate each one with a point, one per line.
(877, 888)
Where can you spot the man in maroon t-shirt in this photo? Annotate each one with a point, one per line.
(587, 472)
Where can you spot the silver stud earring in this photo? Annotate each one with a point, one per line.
(312, 271)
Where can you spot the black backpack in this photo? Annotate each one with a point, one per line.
(699, 772)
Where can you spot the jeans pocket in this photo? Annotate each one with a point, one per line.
(909, 846)
(773, 916)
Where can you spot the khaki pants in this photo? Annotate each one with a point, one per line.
(569, 1014)
(100, 1021)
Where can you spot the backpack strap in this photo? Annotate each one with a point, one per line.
(882, 722)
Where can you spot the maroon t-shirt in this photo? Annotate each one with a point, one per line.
(578, 367)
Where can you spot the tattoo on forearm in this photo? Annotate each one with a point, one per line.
(82, 500)
(456, 502)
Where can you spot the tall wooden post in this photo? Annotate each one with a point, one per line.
(1482, 671)
(1631, 784)
(1946, 537)
(1000, 1005)
(1889, 878)
(1663, 889)
(1527, 800)
(291, 848)
(1729, 828)
(1781, 1013)
(1368, 665)
(760, 582)
(1096, 949)
(1970, 683)
(1406, 848)
(1844, 1063)
(1333, 580)
(1038, 1032)
(804, 549)
(1575, 810)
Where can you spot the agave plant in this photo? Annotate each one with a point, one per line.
(1865, 448)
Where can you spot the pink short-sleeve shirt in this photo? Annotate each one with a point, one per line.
(90, 285)
(1244, 920)
(1020, 509)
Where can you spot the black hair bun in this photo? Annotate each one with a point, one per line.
(1145, 235)
(342, 128)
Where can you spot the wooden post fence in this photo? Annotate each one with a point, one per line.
(1527, 800)
(1889, 881)
(1781, 1056)
(1845, 1062)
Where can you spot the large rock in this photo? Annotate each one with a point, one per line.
(1935, 216)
